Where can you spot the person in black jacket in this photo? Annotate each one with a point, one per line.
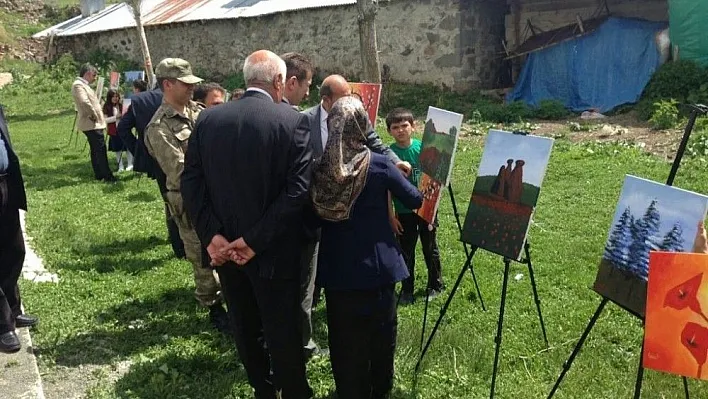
(12, 244)
(244, 186)
(142, 108)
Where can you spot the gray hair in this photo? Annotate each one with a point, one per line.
(86, 68)
(263, 69)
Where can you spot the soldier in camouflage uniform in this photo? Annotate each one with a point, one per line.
(166, 140)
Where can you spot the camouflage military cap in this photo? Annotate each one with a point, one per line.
(176, 68)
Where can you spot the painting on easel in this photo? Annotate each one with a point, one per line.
(676, 325)
(505, 192)
(650, 216)
(370, 95)
(436, 157)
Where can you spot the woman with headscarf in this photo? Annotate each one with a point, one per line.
(359, 261)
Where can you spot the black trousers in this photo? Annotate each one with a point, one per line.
(267, 308)
(414, 226)
(12, 255)
(362, 328)
(99, 159)
(172, 229)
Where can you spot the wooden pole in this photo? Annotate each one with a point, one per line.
(147, 61)
(367, 41)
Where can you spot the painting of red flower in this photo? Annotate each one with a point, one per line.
(676, 330)
(370, 96)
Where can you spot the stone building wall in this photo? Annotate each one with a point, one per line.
(452, 43)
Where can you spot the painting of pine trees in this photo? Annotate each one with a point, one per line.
(649, 217)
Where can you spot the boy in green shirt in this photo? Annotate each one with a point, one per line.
(406, 223)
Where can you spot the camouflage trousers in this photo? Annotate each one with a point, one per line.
(208, 289)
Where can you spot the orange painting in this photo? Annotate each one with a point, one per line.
(370, 96)
(431, 197)
(676, 326)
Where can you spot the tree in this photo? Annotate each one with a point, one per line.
(135, 4)
(673, 240)
(367, 41)
(644, 229)
(617, 248)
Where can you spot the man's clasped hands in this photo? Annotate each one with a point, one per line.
(221, 251)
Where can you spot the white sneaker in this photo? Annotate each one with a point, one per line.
(129, 168)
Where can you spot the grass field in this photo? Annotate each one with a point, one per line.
(123, 317)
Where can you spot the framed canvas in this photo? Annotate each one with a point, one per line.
(370, 95)
(676, 325)
(505, 192)
(437, 154)
(650, 216)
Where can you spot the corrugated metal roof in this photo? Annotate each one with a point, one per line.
(155, 12)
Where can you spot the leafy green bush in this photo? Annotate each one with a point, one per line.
(234, 81)
(683, 81)
(551, 110)
(107, 61)
(665, 115)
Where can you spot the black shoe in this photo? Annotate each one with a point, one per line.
(25, 320)
(9, 342)
(110, 179)
(406, 298)
(219, 318)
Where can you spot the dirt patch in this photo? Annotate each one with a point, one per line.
(74, 382)
(625, 128)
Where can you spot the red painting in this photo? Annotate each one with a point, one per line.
(370, 96)
(115, 80)
(676, 328)
(431, 197)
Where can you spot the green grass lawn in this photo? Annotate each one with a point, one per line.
(123, 299)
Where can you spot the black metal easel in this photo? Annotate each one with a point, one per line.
(470, 267)
(696, 110)
(507, 263)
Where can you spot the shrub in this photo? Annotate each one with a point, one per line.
(665, 115)
(683, 81)
(551, 110)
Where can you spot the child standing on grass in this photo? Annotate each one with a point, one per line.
(406, 223)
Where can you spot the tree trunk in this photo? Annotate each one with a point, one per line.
(143, 44)
(367, 41)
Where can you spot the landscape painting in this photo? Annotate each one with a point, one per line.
(370, 95)
(506, 191)
(437, 154)
(676, 326)
(650, 216)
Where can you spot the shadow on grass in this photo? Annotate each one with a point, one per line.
(67, 174)
(178, 375)
(44, 116)
(142, 197)
(131, 256)
(137, 327)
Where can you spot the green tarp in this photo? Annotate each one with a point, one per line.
(688, 20)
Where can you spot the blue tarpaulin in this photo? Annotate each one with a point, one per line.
(602, 70)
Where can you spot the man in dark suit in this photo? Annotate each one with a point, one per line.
(244, 186)
(142, 107)
(12, 244)
(298, 80)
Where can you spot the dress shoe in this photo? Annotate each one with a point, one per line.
(219, 318)
(9, 342)
(25, 320)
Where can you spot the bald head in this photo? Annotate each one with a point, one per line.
(333, 88)
(265, 70)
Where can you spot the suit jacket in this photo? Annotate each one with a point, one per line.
(142, 108)
(17, 199)
(373, 141)
(247, 174)
(372, 256)
(90, 114)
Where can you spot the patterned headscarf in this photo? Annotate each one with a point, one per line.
(340, 176)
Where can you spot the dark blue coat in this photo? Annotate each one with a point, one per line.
(362, 253)
(17, 198)
(142, 107)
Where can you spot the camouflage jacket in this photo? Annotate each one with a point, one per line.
(166, 139)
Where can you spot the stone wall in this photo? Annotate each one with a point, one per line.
(456, 43)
